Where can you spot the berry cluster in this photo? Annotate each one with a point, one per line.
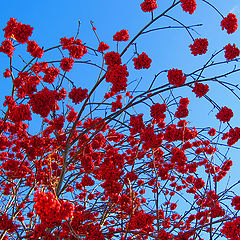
(176, 77)
(142, 61)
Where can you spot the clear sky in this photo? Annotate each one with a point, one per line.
(53, 19)
(167, 48)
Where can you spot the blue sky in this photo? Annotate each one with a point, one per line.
(168, 49)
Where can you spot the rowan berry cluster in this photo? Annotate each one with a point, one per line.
(199, 46)
(149, 5)
(225, 114)
(142, 61)
(230, 23)
(182, 110)
(34, 49)
(121, 36)
(78, 95)
(110, 161)
(189, 6)
(200, 89)
(176, 77)
(116, 73)
(231, 52)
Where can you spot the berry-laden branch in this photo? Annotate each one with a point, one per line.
(122, 155)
